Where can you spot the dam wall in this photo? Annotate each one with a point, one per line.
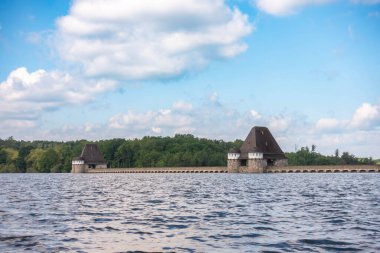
(269, 169)
(324, 169)
(162, 170)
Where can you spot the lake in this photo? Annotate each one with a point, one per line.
(190, 212)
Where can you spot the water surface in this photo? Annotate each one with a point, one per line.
(190, 212)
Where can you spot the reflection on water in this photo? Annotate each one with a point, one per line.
(190, 212)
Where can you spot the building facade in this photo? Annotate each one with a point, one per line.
(259, 151)
(90, 158)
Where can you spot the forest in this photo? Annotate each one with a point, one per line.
(180, 150)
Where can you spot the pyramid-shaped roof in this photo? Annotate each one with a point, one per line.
(91, 154)
(261, 140)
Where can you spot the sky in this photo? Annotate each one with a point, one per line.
(309, 70)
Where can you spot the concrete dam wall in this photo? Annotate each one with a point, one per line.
(324, 169)
(162, 170)
(269, 169)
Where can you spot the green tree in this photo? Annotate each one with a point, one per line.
(21, 159)
(33, 158)
(348, 158)
(48, 161)
(3, 156)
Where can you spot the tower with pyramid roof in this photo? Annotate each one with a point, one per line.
(258, 151)
(90, 158)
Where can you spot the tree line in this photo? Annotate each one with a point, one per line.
(50, 156)
(306, 156)
(180, 150)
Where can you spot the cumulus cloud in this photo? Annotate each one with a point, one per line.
(286, 7)
(156, 130)
(182, 106)
(150, 39)
(168, 118)
(24, 94)
(327, 123)
(205, 120)
(255, 114)
(366, 115)
(279, 124)
(173, 120)
(18, 123)
(131, 120)
(360, 134)
(289, 7)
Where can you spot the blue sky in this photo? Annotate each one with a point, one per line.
(308, 70)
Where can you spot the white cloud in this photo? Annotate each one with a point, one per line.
(206, 120)
(286, 7)
(18, 123)
(366, 115)
(150, 39)
(279, 124)
(24, 95)
(182, 106)
(150, 121)
(184, 130)
(132, 120)
(156, 130)
(327, 123)
(255, 114)
(167, 118)
(289, 7)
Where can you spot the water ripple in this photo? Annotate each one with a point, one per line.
(190, 213)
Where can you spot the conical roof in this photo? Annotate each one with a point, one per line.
(261, 140)
(91, 154)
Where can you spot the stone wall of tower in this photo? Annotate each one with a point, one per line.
(233, 165)
(256, 165)
(78, 168)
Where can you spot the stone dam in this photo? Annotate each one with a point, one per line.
(285, 169)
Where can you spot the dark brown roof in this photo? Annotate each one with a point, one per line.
(234, 150)
(91, 154)
(261, 140)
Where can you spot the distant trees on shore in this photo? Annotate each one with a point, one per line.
(306, 157)
(180, 150)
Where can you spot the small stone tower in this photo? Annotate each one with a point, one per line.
(258, 151)
(90, 158)
(77, 165)
(233, 162)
